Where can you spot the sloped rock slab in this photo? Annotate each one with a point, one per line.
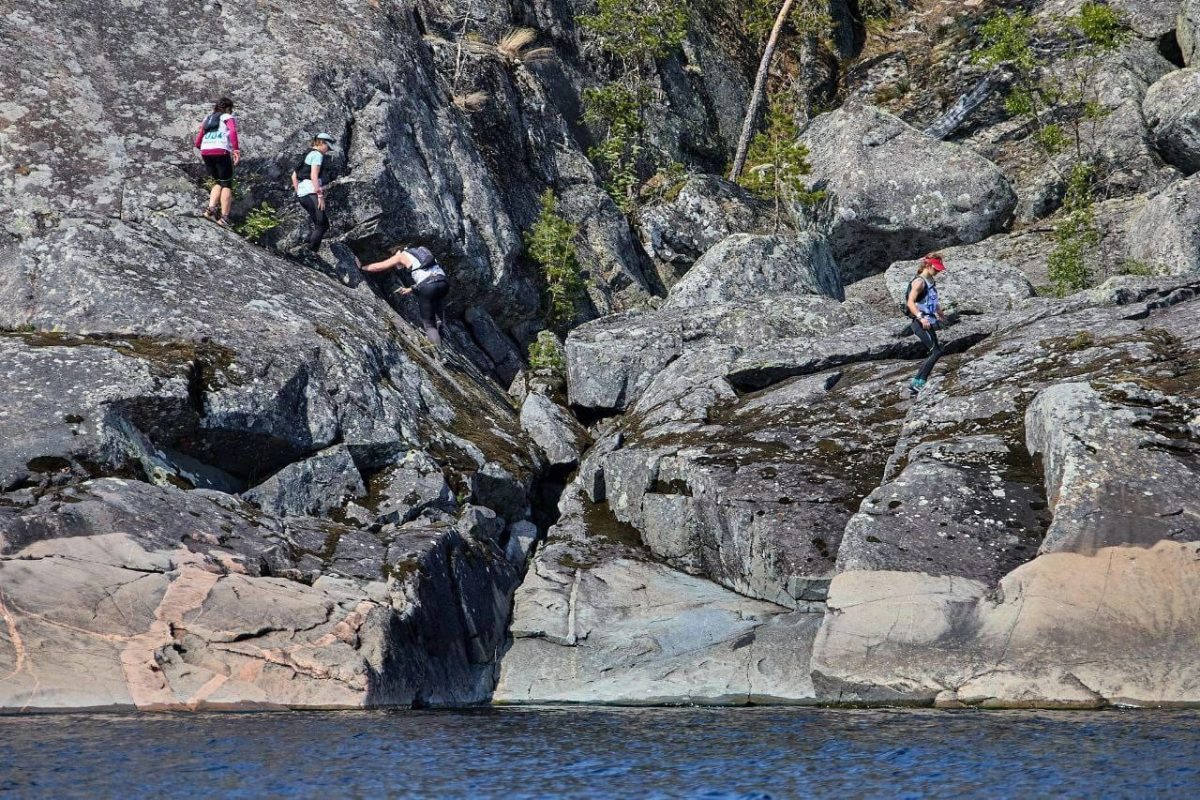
(611, 361)
(598, 621)
(1065, 630)
(772, 363)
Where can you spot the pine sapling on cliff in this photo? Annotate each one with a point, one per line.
(777, 163)
(631, 34)
(551, 243)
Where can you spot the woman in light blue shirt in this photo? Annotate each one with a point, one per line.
(310, 189)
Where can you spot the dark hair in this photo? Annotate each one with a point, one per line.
(223, 106)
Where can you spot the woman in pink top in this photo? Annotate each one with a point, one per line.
(218, 143)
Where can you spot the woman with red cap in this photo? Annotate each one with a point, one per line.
(926, 311)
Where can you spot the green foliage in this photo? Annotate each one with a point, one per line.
(1075, 235)
(259, 221)
(1019, 102)
(1062, 105)
(634, 33)
(546, 355)
(1131, 266)
(1053, 139)
(209, 182)
(758, 17)
(806, 18)
(1100, 25)
(551, 244)
(664, 184)
(777, 162)
(635, 30)
(1008, 39)
(615, 110)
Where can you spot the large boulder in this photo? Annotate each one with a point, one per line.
(611, 361)
(897, 194)
(1124, 143)
(588, 626)
(310, 487)
(706, 209)
(1119, 470)
(749, 267)
(553, 429)
(1170, 108)
(968, 286)
(942, 515)
(122, 595)
(1165, 234)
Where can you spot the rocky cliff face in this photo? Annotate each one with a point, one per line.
(1021, 534)
(234, 475)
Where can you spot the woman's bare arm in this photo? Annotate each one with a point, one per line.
(400, 259)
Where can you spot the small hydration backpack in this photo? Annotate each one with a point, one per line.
(427, 266)
(423, 256)
(924, 290)
(211, 122)
(304, 169)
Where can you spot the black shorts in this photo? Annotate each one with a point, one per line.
(221, 169)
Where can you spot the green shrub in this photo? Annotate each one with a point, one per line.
(1131, 266)
(551, 244)
(1062, 106)
(633, 33)
(634, 30)
(615, 110)
(546, 356)
(258, 222)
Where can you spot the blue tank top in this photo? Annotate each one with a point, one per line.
(928, 305)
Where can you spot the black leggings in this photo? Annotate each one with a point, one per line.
(934, 348)
(318, 221)
(220, 168)
(431, 302)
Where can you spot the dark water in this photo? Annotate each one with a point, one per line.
(605, 753)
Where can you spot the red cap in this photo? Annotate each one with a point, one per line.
(934, 262)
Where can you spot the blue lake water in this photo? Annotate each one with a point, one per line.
(605, 753)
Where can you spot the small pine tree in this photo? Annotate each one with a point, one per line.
(777, 162)
(1076, 235)
(632, 34)
(551, 244)
(635, 30)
